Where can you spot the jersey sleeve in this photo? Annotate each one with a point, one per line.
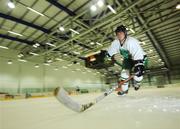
(113, 49)
(135, 49)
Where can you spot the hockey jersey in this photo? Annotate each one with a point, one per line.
(130, 49)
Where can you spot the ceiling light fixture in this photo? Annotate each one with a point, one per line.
(58, 59)
(36, 45)
(50, 44)
(15, 33)
(74, 31)
(11, 4)
(49, 61)
(99, 44)
(47, 64)
(9, 62)
(4, 47)
(64, 67)
(100, 3)
(143, 43)
(32, 53)
(35, 11)
(178, 6)
(112, 10)
(93, 8)
(22, 60)
(61, 28)
(36, 66)
(20, 55)
(132, 30)
(77, 53)
(92, 43)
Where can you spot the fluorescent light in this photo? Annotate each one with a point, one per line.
(99, 44)
(100, 3)
(32, 53)
(164, 68)
(51, 44)
(132, 30)
(74, 31)
(9, 62)
(77, 53)
(61, 28)
(178, 6)
(93, 8)
(92, 43)
(64, 67)
(15, 33)
(49, 61)
(36, 45)
(11, 4)
(58, 59)
(46, 64)
(143, 43)
(112, 10)
(159, 60)
(36, 66)
(20, 55)
(69, 65)
(4, 47)
(22, 60)
(150, 50)
(35, 11)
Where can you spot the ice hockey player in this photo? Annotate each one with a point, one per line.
(134, 58)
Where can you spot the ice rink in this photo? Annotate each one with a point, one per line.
(150, 108)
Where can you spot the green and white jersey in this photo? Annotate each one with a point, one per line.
(130, 49)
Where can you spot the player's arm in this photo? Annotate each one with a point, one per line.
(111, 53)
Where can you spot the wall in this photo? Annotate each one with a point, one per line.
(22, 77)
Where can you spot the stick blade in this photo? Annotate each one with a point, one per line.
(62, 97)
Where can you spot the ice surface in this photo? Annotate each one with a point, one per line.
(144, 109)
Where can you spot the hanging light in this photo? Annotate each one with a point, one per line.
(178, 6)
(100, 3)
(93, 8)
(61, 28)
(11, 4)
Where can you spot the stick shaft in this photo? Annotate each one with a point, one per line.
(99, 98)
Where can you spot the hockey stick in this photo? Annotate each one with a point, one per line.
(63, 98)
